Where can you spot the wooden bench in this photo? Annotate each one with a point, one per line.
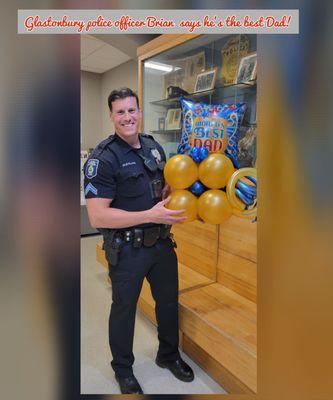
(223, 325)
(217, 295)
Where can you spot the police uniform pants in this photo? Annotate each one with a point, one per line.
(159, 265)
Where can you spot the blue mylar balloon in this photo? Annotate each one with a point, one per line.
(252, 179)
(195, 154)
(197, 188)
(183, 148)
(214, 126)
(232, 158)
(245, 199)
(248, 190)
(203, 153)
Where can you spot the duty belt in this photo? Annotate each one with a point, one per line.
(145, 236)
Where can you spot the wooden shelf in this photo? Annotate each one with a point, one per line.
(234, 86)
(166, 131)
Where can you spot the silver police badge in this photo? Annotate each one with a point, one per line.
(156, 154)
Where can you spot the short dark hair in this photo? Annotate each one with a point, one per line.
(121, 94)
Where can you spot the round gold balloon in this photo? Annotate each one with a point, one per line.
(180, 171)
(213, 207)
(215, 171)
(184, 200)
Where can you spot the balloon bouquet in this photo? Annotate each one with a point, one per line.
(206, 183)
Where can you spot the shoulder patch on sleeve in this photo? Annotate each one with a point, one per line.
(91, 168)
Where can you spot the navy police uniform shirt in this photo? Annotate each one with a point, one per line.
(115, 170)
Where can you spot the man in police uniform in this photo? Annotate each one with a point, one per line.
(123, 187)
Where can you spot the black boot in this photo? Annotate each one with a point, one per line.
(179, 368)
(129, 385)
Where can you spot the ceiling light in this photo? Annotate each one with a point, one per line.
(158, 66)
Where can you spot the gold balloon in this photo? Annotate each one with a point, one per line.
(215, 171)
(180, 171)
(184, 200)
(213, 207)
(238, 207)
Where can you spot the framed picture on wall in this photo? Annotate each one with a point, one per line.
(235, 48)
(194, 65)
(161, 124)
(176, 118)
(173, 119)
(205, 80)
(185, 72)
(247, 70)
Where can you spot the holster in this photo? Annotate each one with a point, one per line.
(112, 246)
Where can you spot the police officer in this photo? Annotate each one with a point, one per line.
(123, 187)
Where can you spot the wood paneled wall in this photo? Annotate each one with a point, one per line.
(197, 247)
(237, 257)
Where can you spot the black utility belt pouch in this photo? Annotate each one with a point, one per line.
(151, 236)
(137, 238)
(147, 237)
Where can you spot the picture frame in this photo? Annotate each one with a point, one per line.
(205, 80)
(161, 124)
(194, 65)
(185, 72)
(247, 70)
(173, 119)
(232, 52)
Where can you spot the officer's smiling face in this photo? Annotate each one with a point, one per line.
(126, 116)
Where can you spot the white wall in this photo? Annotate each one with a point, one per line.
(91, 110)
(124, 75)
(95, 90)
(152, 91)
